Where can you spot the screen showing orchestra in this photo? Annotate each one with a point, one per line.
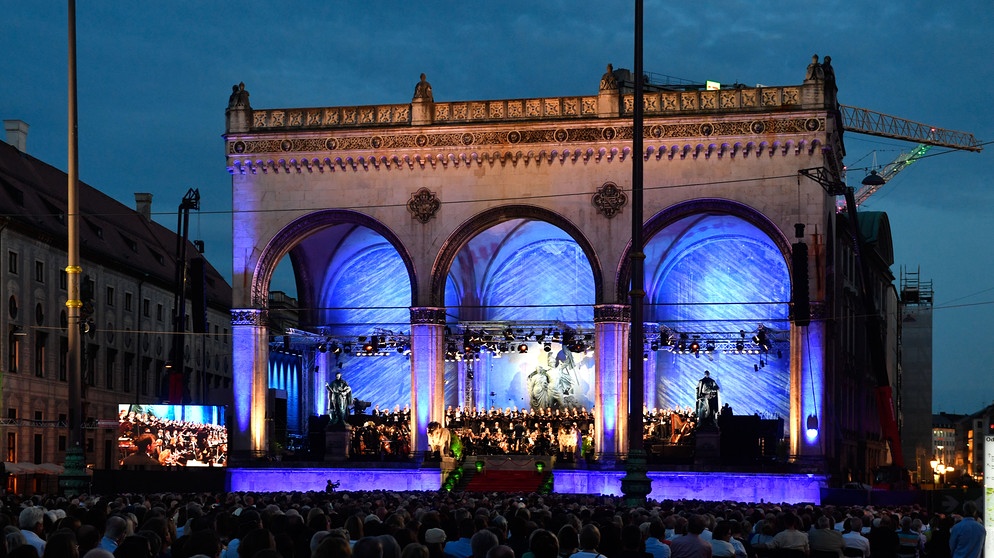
(153, 436)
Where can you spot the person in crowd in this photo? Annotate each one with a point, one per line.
(32, 524)
(853, 536)
(966, 538)
(655, 543)
(825, 538)
(590, 539)
(691, 545)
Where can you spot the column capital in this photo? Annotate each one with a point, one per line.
(612, 313)
(249, 316)
(427, 315)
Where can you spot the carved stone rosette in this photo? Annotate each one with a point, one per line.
(427, 315)
(609, 199)
(612, 313)
(424, 205)
(249, 316)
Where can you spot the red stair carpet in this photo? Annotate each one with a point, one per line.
(505, 481)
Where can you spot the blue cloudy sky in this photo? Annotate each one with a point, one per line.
(154, 80)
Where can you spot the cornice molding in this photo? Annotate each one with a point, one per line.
(371, 151)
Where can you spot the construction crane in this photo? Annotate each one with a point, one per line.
(874, 123)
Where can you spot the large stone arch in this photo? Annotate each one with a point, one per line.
(284, 240)
(674, 213)
(467, 230)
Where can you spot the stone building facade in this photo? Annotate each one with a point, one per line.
(455, 191)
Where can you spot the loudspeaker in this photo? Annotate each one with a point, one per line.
(801, 306)
(316, 426)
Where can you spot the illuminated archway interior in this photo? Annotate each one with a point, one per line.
(527, 275)
(718, 280)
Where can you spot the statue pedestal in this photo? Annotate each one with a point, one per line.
(707, 448)
(336, 443)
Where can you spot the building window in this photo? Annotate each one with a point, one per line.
(158, 312)
(129, 371)
(39, 444)
(225, 336)
(110, 296)
(128, 298)
(11, 447)
(39, 271)
(62, 443)
(144, 376)
(63, 280)
(216, 330)
(146, 304)
(13, 351)
(41, 347)
(12, 262)
(109, 365)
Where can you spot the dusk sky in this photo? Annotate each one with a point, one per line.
(154, 80)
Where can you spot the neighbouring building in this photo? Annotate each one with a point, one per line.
(128, 289)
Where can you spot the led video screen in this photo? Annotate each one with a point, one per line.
(153, 436)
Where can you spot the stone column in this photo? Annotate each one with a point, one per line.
(611, 326)
(250, 380)
(427, 372)
(807, 386)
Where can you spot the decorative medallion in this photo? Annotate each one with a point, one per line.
(423, 205)
(514, 136)
(609, 199)
(376, 142)
(239, 147)
(757, 127)
(331, 144)
(421, 140)
(285, 145)
(655, 131)
(467, 139)
(812, 125)
(707, 129)
(560, 135)
(608, 133)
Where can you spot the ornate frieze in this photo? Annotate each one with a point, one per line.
(520, 137)
(427, 315)
(612, 313)
(423, 205)
(609, 199)
(249, 316)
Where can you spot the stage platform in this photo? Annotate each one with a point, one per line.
(741, 487)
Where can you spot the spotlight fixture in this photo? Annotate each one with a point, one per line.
(812, 424)
(709, 346)
(654, 346)
(336, 348)
(323, 347)
(695, 346)
(755, 367)
(739, 346)
(547, 347)
(522, 348)
(682, 347)
(645, 356)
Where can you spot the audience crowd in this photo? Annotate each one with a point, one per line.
(380, 524)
